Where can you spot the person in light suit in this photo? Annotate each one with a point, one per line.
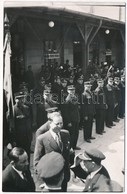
(49, 142)
(16, 177)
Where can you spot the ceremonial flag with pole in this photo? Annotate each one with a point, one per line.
(7, 80)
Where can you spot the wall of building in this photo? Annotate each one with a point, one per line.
(68, 51)
(36, 33)
(117, 47)
(118, 50)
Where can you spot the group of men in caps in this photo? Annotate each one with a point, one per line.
(57, 112)
(51, 172)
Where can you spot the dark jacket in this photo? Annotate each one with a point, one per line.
(100, 99)
(71, 113)
(99, 183)
(117, 94)
(23, 129)
(79, 88)
(40, 113)
(88, 105)
(12, 182)
(109, 93)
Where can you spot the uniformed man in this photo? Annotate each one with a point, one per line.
(50, 168)
(71, 80)
(57, 87)
(64, 85)
(36, 105)
(79, 88)
(88, 168)
(98, 178)
(88, 109)
(72, 116)
(122, 102)
(46, 126)
(110, 101)
(62, 99)
(45, 101)
(117, 94)
(100, 107)
(23, 124)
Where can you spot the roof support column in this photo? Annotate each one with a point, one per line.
(88, 33)
(85, 46)
(122, 36)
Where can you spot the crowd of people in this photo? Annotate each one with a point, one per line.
(61, 103)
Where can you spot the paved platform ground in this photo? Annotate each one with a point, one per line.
(111, 144)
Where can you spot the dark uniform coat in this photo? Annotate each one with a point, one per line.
(117, 94)
(39, 109)
(79, 88)
(57, 91)
(110, 101)
(88, 109)
(100, 107)
(12, 182)
(23, 127)
(122, 102)
(71, 115)
(99, 183)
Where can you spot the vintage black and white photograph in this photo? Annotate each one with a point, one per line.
(63, 96)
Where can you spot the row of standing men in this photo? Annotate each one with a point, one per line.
(104, 103)
(79, 106)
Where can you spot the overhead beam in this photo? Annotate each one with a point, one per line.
(122, 36)
(96, 31)
(81, 31)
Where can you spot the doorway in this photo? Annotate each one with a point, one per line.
(77, 53)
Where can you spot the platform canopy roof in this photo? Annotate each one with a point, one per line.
(111, 15)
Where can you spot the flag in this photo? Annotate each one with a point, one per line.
(7, 81)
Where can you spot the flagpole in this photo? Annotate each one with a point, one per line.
(7, 80)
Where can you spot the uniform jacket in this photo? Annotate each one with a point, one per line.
(117, 94)
(45, 143)
(122, 89)
(79, 88)
(39, 111)
(109, 92)
(71, 113)
(57, 91)
(88, 105)
(12, 182)
(22, 124)
(99, 183)
(100, 98)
